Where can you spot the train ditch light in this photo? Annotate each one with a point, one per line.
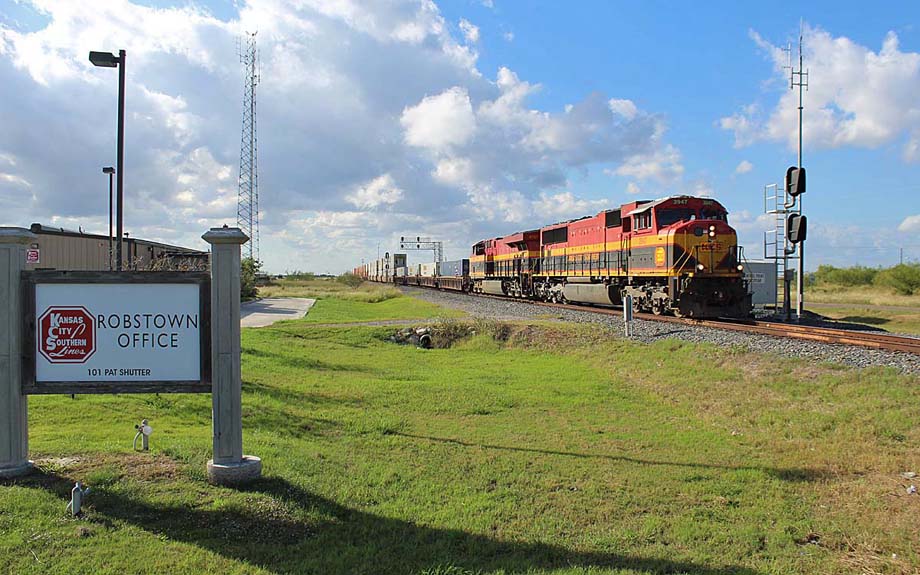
(796, 228)
(795, 181)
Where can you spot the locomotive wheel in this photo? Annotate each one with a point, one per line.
(658, 308)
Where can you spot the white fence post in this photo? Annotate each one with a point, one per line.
(14, 427)
(229, 465)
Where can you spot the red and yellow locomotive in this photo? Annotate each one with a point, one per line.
(674, 255)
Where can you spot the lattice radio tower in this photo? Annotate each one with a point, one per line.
(247, 207)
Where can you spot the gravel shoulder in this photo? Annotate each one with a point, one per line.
(649, 331)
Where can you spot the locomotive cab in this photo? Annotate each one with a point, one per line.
(697, 262)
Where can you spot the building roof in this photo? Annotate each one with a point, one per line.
(41, 229)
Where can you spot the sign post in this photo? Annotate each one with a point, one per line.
(628, 314)
(229, 465)
(14, 436)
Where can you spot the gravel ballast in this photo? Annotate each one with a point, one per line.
(649, 331)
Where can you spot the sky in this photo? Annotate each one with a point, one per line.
(461, 120)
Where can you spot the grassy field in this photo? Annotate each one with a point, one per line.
(546, 450)
(901, 320)
(872, 295)
(339, 303)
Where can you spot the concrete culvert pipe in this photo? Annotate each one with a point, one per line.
(424, 341)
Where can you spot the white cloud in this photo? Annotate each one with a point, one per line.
(488, 3)
(625, 108)
(663, 165)
(910, 224)
(454, 171)
(15, 180)
(857, 96)
(441, 121)
(566, 205)
(633, 188)
(379, 191)
(470, 31)
(508, 36)
(744, 167)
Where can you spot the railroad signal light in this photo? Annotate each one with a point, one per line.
(795, 181)
(796, 228)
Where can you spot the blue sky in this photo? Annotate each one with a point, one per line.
(463, 119)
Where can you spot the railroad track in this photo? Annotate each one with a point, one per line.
(868, 339)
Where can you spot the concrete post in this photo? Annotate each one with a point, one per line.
(14, 428)
(229, 465)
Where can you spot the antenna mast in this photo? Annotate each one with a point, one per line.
(798, 78)
(247, 207)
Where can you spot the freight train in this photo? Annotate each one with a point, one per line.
(676, 255)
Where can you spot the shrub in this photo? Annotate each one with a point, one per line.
(849, 277)
(249, 269)
(349, 279)
(903, 278)
(373, 295)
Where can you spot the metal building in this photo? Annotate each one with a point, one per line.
(61, 249)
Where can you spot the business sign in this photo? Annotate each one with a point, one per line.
(33, 256)
(124, 336)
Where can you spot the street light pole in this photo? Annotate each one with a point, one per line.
(111, 172)
(120, 162)
(109, 60)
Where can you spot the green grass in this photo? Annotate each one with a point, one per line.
(874, 295)
(339, 303)
(557, 451)
(335, 310)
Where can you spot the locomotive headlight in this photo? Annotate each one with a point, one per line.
(712, 231)
(740, 268)
(700, 267)
(712, 228)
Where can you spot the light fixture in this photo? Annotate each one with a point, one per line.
(740, 268)
(104, 59)
(700, 267)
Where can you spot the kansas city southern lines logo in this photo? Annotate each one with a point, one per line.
(66, 334)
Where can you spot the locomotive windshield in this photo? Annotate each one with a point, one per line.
(714, 214)
(669, 216)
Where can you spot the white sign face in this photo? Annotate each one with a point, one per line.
(117, 332)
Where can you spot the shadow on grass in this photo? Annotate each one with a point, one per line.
(793, 474)
(292, 396)
(340, 540)
(865, 319)
(305, 363)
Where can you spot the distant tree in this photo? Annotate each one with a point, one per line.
(903, 278)
(299, 275)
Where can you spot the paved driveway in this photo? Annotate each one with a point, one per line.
(267, 311)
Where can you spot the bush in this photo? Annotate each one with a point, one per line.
(349, 279)
(249, 269)
(301, 276)
(849, 277)
(903, 278)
